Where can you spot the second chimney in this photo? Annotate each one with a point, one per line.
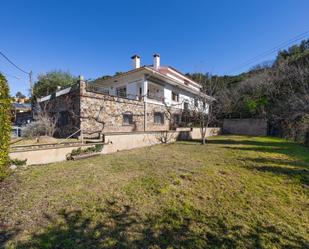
(136, 61)
(156, 61)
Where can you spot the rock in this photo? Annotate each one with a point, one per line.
(13, 167)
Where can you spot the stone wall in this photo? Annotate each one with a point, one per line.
(104, 113)
(168, 117)
(249, 126)
(96, 113)
(66, 109)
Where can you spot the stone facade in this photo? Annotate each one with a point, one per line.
(95, 113)
(66, 109)
(104, 113)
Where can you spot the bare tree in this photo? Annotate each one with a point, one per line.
(45, 123)
(205, 106)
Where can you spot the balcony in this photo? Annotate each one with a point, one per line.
(121, 92)
(155, 97)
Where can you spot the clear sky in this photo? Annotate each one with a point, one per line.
(95, 38)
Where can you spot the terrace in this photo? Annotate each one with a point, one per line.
(155, 92)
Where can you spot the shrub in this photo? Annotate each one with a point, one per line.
(5, 126)
(80, 151)
(35, 129)
(18, 162)
(45, 123)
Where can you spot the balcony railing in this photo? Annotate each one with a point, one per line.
(103, 90)
(155, 97)
(121, 93)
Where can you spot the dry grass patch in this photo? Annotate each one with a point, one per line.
(234, 192)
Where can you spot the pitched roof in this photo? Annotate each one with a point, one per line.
(162, 71)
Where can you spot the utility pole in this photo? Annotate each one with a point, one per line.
(30, 83)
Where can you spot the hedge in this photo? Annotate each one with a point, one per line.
(5, 126)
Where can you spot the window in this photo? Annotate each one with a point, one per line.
(158, 118)
(195, 102)
(175, 96)
(105, 90)
(186, 106)
(127, 118)
(121, 92)
(63, 118)
(176, 119)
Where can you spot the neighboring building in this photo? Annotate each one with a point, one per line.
(21, 113)
(22, 100)
(147, 98)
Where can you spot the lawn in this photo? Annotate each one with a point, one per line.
(234, 192)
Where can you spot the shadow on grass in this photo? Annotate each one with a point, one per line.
(268, 144)
(176, 227)
(7, 234)
(298, 170)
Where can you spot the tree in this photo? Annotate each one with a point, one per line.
(45, 123)
(5, 125)
(20, 95)
(204, 104)
(49, 82)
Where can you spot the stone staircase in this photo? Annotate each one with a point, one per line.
(96, 137)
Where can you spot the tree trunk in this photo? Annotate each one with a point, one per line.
(203, 132)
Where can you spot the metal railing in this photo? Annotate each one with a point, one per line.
(155, 97)
(121, 93)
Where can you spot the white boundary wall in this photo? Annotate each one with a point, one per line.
(114, 142)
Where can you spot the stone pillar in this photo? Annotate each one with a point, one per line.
(82, 91)
(82, 84)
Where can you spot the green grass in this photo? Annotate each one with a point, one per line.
(234, 192)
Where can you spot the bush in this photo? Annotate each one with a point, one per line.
(35, 129)
(5, 126)
(18, 162)
(80, 151)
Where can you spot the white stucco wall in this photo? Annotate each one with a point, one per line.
(134, 82)
(115, 142)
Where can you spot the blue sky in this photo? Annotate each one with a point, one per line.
(95, 38)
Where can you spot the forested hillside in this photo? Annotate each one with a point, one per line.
(278, 92)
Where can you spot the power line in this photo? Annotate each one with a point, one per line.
(270, 51)
(20, 69)
(10, 75)
(12, 63)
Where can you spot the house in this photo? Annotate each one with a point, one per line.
(146, 98)
(21, 113)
